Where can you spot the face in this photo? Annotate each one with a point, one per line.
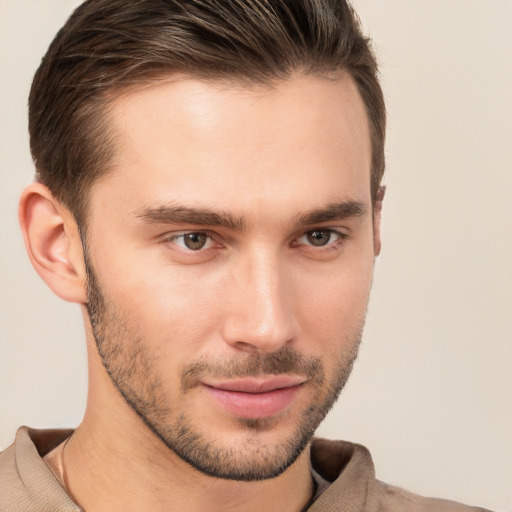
(230, 255)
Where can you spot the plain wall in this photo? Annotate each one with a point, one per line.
(431, 392)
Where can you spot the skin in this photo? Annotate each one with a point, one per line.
(265, 158)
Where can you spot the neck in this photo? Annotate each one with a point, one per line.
(120, 471)
(115, 462)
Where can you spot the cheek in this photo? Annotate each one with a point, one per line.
(171, 307)
(332, 307)
(344, 290)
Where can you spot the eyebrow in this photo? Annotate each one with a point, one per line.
(334, 211)
(185, 215)
(170, 214)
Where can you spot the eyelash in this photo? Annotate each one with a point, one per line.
(178, 236)
(329, 245)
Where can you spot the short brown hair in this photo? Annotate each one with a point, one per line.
(107, 45)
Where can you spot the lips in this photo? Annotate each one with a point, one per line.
(255, 397)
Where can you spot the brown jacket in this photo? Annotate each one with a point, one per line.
(28, 485)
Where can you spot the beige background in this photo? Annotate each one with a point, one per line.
(431, 393)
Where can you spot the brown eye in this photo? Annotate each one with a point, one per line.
(195, 241)
(318, 237)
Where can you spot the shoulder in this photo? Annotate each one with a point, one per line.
(12, 491)
(26, 482)
(396, 499)
(353, 485)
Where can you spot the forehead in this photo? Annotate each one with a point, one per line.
(220, 145)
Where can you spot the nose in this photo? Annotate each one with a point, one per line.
(260, 314)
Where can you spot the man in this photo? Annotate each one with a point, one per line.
(209, 192)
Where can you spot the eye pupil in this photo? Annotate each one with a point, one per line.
(195, 241)
(318, 237)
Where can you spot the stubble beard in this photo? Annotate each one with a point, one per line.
(132, 369)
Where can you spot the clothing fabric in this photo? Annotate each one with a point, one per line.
(28, 485)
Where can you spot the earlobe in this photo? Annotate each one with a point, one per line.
(53, 243)
(377, 215)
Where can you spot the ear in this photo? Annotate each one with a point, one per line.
(53, 243)
(377, 215)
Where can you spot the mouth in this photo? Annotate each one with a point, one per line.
(254, 398)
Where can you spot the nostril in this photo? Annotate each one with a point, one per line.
(246, 347)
